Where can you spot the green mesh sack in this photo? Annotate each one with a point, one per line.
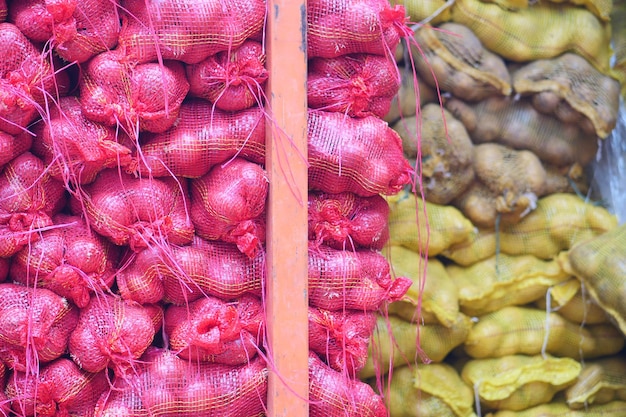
(504, 281)
(399, 347)
(522, 330)
(545, 30)
(439, 295)
(613, 409)
(601, 265)
(433, 390)
(519, 382)
(440, 228)
(600, 382)
(436, 11)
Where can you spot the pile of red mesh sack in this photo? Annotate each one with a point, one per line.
(132, 205)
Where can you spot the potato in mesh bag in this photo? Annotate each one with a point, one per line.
(518, 382)
(425, 227)
(521, 330)
(601, 265)
(557, 409)
(459, 63)
(394, 343)
(618, 26)
(433, 390)
(545, 30)
(445, 152)
(404, 104)
(502, 281)
(599, 382)
(438, 297)
(572, 90)
(573, 302)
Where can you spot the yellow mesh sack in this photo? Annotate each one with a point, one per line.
(613, 409)
(400, 346)
(618, 24)
(577, 306)
(480, 245)
(545, 30)
(439, 296)
(519, 382)
(521, 330)
(601, 264)
(442, 226)
(600, 382)
(433, 390)
(459, 62)
(446, 152)
(517, 124)
(503, 281)
(600, 8)
(436, 11)
(571, 89)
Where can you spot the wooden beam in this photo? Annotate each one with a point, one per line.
(287, 227)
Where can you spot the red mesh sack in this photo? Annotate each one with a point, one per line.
(12, 146)
(140, 97)
(202, 138)
(363, 156)
(187, 273)
(35, 324)
(111, 333)
(341, 27)
(29, 198)
(5, 265)
(187, 30)
(213, 330)
(59, 389)
(341, 338)
(25, 78)
(3, 10)
(333, 394)
(78, 29)
(347, 221)
(170, 386)
(69, 260)
(228, 204)
(233, 79)
(356, 85)
(77, 147)
(5, 405)
(136, 211)
(354, 280)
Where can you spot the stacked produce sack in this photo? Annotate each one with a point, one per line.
(521, 307)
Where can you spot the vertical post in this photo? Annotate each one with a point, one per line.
(287, 227)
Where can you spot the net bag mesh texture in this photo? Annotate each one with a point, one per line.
(78, 29)
(70, 260)
(111, 333)
(29, 198)
(184, 274)
(61, 388)
(228, 204)
(357, 85)
(554, 409)
(76, 148)
(356, 280)
(201, 138)
(362, 156)
(341, 27)
(12, 146)
(341, 338)
(187, 30)
(217, 331)
(233, 80)
(5, 265)
(347, 221)
(139, 97)
(333, 394)
(167, 385)
(135, 211)
(600, 381)
(35, 325)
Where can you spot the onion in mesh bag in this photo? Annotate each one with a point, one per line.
(78, 29)
(135, 211)
(69, 260)
(35, 325)
(29, 197)
(228, 203)
(212, 330)
(12, 146)
(59, 389)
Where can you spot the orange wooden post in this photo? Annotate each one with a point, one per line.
(287, 253)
